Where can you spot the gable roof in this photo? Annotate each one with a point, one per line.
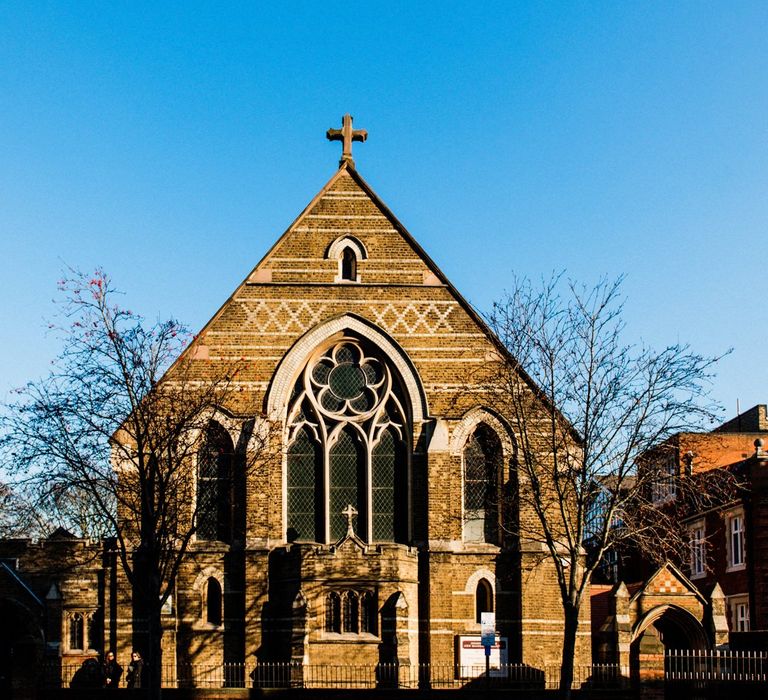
(667, 580)
(346, 169)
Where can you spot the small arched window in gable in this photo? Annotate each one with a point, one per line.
(347, 251)
(348, 265)
(483, 598)
(213, 601)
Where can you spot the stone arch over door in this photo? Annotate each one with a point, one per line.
(663, 628)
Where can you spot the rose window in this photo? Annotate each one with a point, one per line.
(345, 381)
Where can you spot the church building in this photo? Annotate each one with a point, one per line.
(385, 525)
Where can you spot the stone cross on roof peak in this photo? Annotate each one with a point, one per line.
(346, 135)
(350, 511)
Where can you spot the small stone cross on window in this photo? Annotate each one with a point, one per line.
(350, 511)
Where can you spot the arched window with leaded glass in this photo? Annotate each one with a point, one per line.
(214, 485)
(388, 482)
(304, 478)
(482, 457)
(346, 465)
(349, 419)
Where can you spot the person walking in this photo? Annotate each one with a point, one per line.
(111, 671)
(135, 670)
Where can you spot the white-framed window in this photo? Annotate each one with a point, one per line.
(738, 607)
(735, 543)
(698, 547)
(664, 487)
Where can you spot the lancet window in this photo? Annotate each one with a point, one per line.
(348, 438)
(482, 458)
(483, 598)
(350, 612)
(214, 485)
(213, 600)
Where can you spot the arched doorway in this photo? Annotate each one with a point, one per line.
(21, 650)
(663, 628)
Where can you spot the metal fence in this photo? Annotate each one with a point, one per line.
(294, 675)
(716, 666)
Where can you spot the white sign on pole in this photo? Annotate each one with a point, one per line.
(488, 629)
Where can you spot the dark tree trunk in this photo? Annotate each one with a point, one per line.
(571, 626)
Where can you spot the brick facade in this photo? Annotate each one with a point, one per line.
(390, 300)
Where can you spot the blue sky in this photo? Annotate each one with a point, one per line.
(171, 143)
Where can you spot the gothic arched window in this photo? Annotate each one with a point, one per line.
(348, 445)
(483, 598)
(482, 466)
(367, 613)
(388, 488)
(214, 485)
(346, 463)
(333, 612)
(213, 600)
(77, 631)
(351, 612)
(348, 265)
(303, 481)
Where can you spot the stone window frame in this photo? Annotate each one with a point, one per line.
(86, 618)
(733, 518)
(326, 430)
(470, 591)
(337, 251)
(697, 548)
(200, 585)
(463, 432)
(350, 612)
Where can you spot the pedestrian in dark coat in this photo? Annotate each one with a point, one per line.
(111, 671)
(135, 671)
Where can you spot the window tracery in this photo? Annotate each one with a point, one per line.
(350, 612)
(348, 437)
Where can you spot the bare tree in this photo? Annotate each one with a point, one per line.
(601, 405)
(108, 441)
